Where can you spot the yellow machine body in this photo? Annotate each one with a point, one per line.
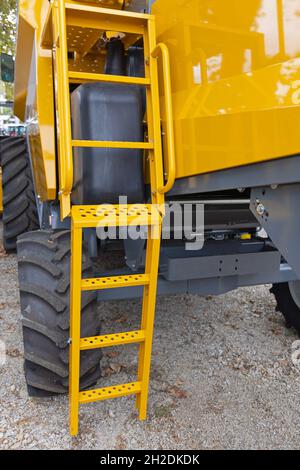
(36, 103)
(235, 68)
(34, 92)
(223, 76)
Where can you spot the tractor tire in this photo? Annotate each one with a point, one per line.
(287, 304)
(19, 203)
(44, 280)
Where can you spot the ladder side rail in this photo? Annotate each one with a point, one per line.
(64, 110)
(75, 320)
(148, 317)
(153, 114)
(79, 220)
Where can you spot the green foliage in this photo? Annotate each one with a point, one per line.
(8, 22)
(8, 10)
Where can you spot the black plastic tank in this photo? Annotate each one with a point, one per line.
(109, 112)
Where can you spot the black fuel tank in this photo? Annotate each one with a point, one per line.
(102, 111)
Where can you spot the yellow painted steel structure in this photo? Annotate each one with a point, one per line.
(109, 216)
(61, 17)
(235, 69)
(34, 97)
(34, 94)
(65, 17)
(222, 75)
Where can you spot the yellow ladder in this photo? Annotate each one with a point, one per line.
(62, 20)
(66, 22)
(109, 216)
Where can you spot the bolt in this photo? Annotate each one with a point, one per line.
(260, 209)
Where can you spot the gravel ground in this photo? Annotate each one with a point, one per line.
(222, 378)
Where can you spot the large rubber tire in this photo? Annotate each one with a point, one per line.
(287, 306)
(44, 267)
(19, 203)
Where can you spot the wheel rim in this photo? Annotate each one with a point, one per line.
(295, 292)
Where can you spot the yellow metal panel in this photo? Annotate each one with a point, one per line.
(40, 106)
(24, 46)
(235, 68)
(115, 4)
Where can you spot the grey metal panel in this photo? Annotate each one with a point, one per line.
(277, 210)
(137, 5)
(213, 286)
(284, 274)
(223, 265)
(221, 285)
(56, 222)
(164, 288)
(280, 171)
(134, 251)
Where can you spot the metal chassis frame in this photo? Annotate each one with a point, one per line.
(284, 171)
(212, 286)
(264, 175)
(274, 172)
(276, 209)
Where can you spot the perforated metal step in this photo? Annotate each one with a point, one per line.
(115, 215)
(107, 393)
(116, 339)
(115, 282)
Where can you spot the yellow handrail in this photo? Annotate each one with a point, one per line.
(162, 48)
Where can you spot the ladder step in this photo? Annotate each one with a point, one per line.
(105, 19)
(82, 16)
(121, 215)
(112, 144)
(106, 393)
(80, 77)
(106, 341)
(115, 282)
(113, 13)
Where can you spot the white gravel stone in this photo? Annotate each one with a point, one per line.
(222, 378)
